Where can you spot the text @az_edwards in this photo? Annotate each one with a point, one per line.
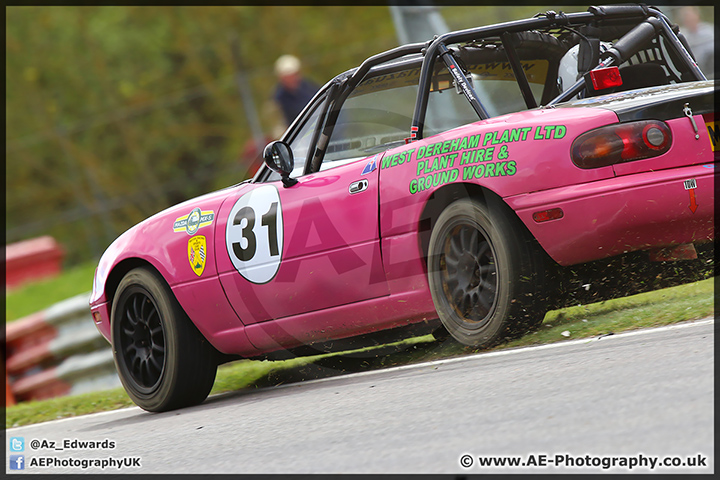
(19, 460)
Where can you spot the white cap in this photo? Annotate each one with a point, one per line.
(287, 65)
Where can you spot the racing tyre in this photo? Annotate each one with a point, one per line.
(482, 273)
(163, 361)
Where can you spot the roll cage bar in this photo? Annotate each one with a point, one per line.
(654, 22)
(650, 22)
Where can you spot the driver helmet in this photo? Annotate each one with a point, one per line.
(568, 68)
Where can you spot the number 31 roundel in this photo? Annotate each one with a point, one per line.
(254, 234)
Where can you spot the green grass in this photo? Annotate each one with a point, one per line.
(28, 413)
(39, 295)
(651, 309)
(230, 377)
(662, 307)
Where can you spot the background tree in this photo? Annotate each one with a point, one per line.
(115, 113)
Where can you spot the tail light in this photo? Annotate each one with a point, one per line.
(620, 143)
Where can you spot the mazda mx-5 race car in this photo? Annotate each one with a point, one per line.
(442, 180)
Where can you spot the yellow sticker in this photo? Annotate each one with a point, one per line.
(535, 70)
(197, 253)
(194, 220)
(713, 132)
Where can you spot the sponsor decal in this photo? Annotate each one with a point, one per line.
(535, 71)
(477, 156)
(413, 133)
(254, 234)
(713, 133)
(470, 157)
(370, 167)
(690, 186)
(193, 221)
(197, 254)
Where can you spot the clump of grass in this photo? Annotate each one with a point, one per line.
(652, 309)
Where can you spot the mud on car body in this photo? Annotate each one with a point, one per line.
(437, 187)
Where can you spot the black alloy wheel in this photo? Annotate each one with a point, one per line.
(162, 359)
(483, 273)
(142, 340)
(469, 273)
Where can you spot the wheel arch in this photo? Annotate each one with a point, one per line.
(120, 270)
(163, 360)
(447, 194)
(126, 265)
(530, 275)
(440, 198)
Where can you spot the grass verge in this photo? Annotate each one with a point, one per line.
(661, 307)
(40, 295)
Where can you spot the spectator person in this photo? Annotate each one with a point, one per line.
(700, 37)
(293, 91)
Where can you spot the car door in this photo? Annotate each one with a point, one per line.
(308, 247)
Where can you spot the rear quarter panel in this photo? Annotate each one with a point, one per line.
(509, 155)
(513, 154)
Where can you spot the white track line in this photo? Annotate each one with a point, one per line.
(512, 351)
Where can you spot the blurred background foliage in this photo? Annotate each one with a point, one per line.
(115, 113)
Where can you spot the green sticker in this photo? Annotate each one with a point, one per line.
(397, 159)
(548, 132)
(433, 180)
(503, 153)
(436, 161)
(485, 170)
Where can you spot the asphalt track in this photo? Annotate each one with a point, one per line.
(638, 395)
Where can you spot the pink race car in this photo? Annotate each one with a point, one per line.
(445, 179)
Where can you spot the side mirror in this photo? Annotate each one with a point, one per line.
(279, 158)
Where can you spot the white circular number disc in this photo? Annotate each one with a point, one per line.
(254, 234)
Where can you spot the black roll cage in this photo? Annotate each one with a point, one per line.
(437, 48)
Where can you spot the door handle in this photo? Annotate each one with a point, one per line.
(359, 186)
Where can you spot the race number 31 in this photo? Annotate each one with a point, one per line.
(254, 234)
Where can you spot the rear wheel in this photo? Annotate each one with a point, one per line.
(482, 273)
(163, 361)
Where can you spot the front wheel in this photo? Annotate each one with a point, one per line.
(163, 361)
(481, 272)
